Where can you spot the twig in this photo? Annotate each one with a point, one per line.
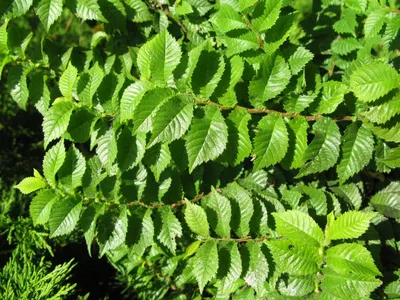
(155, 206)
(246, 239)
(271, 111)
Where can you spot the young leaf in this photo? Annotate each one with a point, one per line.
(49, 11)
(158, 58)
(372, 81)
(220, 213)
(323, 151)
(71, 173)
(387, 201)
(30, 184)
(64, 215)
(299, 227)
(347, 22)
(171, 229)
(358, 145)
(239, 145)
(205, 265)
(56, 120)
(196, 219)
(53, 160)
(67, 81)
(172, 120)
(207, 137)
(112, 230)
(256, 266)
(41, 205)
(271, 141)
(350, 225)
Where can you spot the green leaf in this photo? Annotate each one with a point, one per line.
(140, 231)
(148, 107)
(357, 148)
(158, 158)
(242, 208)
(88, 84)
(278, 33)
(350, 193)
(348, 286)
(233, 270)
(274, 75)
(192, 248)
(64, 215)
(158, 58)
(172, 120)
(317, 199)
(297, 131)
(299, 227)
(196, 219)
(80, 125)
(240, 41)
(323, 151)
(256, 267)
(171, 229)
(297, 103)
(41, 205)
(265, 19)
(67, 81)
(219, 213)
(271, 141)
(207, 137)
(351, 258)
(112, 229)
(4, 38)
(130, 148)
(296, 286)
(390, 132)
(344, 46)
(392, 290)
(131, 98)
(71, 173)
(239, 145)
(350, 225)
(295, 259)
(30, 184)
(299, 59)
(227, 19)
(56, 120)
(89, 10)
(243, 4)
(141, 10)
(332, 95)
(205, 264)
(384, 111)
(88, 223)
(49, 11)
(372, 81)
(16, 8)
(53, 160)
(107, 148)
(16, 81)
(347, 23)
(234, 69)
(207, 74)
(374, 22)
(387, 201)
(381, 152)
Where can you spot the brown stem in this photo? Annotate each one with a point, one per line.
(270, 111)
(155, 206)
(245, 239)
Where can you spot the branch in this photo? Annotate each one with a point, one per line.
(246, 239)
(271, 111)
(155, 206)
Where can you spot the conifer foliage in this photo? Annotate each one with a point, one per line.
(243, 148)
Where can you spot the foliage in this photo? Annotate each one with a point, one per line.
(28, 273)
(248, 147)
